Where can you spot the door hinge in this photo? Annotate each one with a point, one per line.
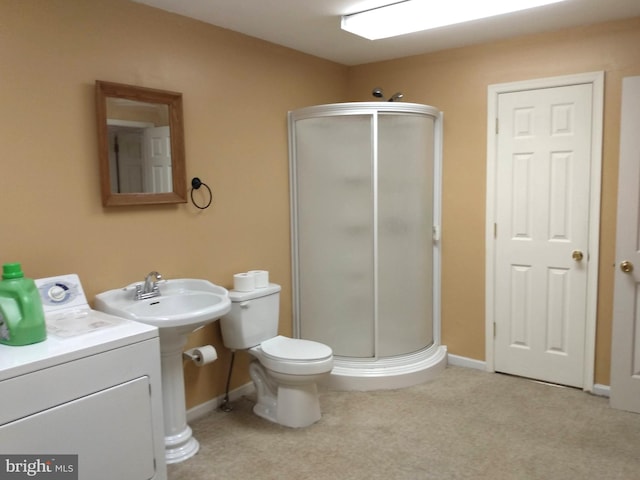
(497, 126)
(494, 329)
(495, 230)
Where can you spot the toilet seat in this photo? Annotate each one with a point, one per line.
(295, 349)
(294, 356)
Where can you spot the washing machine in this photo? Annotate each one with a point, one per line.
(89, 394)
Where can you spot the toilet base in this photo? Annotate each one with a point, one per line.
(298, 406)
(293, 404)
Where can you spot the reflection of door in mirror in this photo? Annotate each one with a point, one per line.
(139, 140)
(157, 160)
(140, 159)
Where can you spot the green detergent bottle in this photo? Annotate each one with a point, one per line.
(21, 313)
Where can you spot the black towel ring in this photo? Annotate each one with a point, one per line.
(196, 184)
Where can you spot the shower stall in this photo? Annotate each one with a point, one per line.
(365, 220)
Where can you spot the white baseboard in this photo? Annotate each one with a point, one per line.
(601, 390)
(209, 406)
(458, 361)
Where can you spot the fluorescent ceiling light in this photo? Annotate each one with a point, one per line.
(416, 15)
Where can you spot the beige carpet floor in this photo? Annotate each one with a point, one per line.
(465, 424)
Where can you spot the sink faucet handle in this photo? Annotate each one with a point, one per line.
(156, 281)
(151, 282)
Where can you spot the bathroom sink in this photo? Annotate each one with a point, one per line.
(177, 307)
(186, 304)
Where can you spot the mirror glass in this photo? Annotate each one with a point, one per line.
(141, 145)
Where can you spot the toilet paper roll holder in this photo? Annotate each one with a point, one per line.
(193, 355)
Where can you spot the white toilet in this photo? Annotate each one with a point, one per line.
(285, 370)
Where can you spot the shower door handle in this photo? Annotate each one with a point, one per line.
(435, 230)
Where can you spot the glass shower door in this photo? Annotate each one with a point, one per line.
(335, 232)
(405, 221)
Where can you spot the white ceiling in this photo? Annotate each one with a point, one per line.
(313, 26)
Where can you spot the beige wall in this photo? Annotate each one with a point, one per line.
(456, 81)
(237, 91)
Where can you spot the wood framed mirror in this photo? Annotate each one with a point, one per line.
(140, 145)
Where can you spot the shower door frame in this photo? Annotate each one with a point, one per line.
(373, 109)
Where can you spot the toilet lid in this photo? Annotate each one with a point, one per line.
(295, 349)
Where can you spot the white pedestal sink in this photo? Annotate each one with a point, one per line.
(183, 306)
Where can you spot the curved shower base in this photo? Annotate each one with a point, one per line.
(388, 373)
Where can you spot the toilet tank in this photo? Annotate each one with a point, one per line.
(253, 317)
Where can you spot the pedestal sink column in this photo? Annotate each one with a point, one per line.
(181, 306)
(178, 440)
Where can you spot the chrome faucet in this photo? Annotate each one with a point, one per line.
(150, 288)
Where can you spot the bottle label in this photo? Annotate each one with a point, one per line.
(4, 329)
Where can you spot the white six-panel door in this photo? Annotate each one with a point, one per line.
(625, 351)
(157, 157)
(539, 261)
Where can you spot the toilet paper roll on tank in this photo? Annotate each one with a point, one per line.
(251, 280)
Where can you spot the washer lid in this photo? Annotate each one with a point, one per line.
(295, 349)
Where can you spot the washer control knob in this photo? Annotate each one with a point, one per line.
(57, 293)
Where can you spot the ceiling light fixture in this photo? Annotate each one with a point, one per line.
(416, 15)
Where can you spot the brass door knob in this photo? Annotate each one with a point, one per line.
(577, 255)
(626, 266)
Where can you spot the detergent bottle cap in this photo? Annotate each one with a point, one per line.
(12, 270)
